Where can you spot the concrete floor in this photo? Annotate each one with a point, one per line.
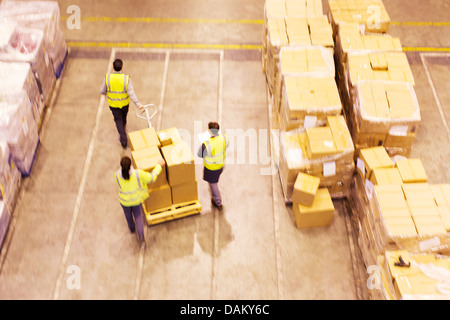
(68, 221)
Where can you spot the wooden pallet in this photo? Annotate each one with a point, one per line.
(175, 211)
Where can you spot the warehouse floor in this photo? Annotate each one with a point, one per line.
(200, 61)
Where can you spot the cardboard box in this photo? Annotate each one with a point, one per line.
(305, 189)
(418, 195)
(180, 163)
(386, 176)
(341, 134)
(441, 193)
(169, 136)
(319, 142)
(143, 139)
(159, 198)
(411, 170)
(431, 224)
(375, 157)
(400, 226)
(444, 213)
(146, 159)
(186, 192)
(319, 214)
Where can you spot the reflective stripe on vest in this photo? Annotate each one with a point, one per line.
(116, 89)
(131, 192)
(215, 152)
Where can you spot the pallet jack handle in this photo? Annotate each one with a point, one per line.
(145, 114)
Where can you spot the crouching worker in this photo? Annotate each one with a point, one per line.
(133, 191)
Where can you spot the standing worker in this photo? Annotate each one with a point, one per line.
(133, 190)
(213, 152)
(119, 90)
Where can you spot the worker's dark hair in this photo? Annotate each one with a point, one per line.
(213, 125)
(117, 64)
(214, 128)
(125, 164)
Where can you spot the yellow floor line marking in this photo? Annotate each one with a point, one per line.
(427, 49)
(94, 44)
(420, 24)
(167, 20)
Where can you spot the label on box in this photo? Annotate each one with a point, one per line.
(369, 187)
(295, 155)
(310, 122)
(398, 130)
(329, 169)
(429, 243)
(360, 165)
(328, 143)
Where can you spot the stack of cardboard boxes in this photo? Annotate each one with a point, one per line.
(176, 186)
(399, 208)
(292, 23)
(409, 276)
(324, 152)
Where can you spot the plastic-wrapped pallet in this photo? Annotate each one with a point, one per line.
(43, 15)
(384, 113)
(20, 44)
(10, 177)
(20, 129)
(20, 77)
(325, 152)
(4, 221)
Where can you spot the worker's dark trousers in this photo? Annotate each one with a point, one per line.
(120, 118)
(138, 221)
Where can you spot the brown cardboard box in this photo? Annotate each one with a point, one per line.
(441, 193)
(146, 159)
(319, 142)
(400, 226)
(319, 214)
(186, 192)
(180, 163)
(169, 136)
(418, 195)
(144, 138)
(386, 176)
(431, 224)
(159, 198)
(305, 189)
(375, 157)
(411, 170)
(341, 134)
(444, 213)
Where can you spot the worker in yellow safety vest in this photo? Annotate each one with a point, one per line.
(133, 190)
(119, 90)
(213, 152)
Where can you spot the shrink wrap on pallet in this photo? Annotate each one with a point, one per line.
(27, 45)
(10, 177)
(42, 15)
(5, 219)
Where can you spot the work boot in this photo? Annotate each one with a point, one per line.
(214, 204)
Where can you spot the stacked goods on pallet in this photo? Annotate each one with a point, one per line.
(174, 194)
(4, 221)
(313, 63)
(324, 152)
(20, 77)
(409, 276)
(292, 23)
(370, 15)
(20, 44)
(398, 209)
(384, 113)
(312, 206)
(19, 128)
(42, 15)
(10, 177)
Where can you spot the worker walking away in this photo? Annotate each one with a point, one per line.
(119, 90)
(133, 190)
(213, 152)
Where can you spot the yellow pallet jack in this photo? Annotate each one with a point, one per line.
(175, 211)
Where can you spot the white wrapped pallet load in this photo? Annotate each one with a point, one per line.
(27, 45)
(10, 177)
(19, 127)
(20, 77)
(43, 15)
(4, 221)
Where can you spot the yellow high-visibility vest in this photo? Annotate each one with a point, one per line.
(134, 191)
(116, 89)
(214, 158)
